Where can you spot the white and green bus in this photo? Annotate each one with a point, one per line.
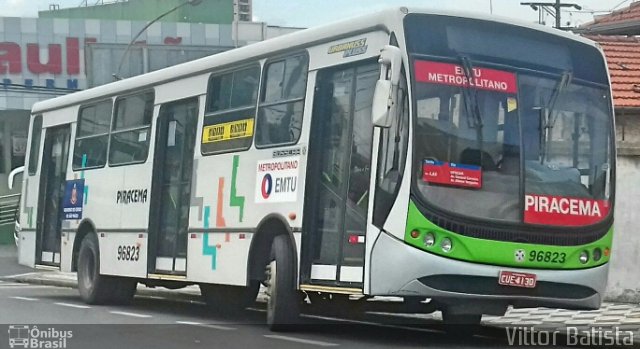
(418, 154)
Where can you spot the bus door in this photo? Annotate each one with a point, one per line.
(171, 187)
(338, 176)
(52, 185)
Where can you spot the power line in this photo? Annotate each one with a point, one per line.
(552, 8)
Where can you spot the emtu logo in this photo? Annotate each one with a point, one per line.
(267, 186)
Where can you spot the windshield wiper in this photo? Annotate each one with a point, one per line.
(548, 118)
(474, 118)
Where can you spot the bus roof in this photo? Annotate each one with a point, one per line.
(381, 20)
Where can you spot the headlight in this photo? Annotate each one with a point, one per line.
(597, 254)
(446, 245)
(429, 240)
(584, 257)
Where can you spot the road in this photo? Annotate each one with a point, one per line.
(164, 322)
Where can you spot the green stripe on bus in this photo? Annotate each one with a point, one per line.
(502, 253)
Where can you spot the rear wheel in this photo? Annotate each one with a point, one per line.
(283, 305)
(100, 289)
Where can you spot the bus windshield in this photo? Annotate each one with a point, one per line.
(508, 144)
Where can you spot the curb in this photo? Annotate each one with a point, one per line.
(142, 290)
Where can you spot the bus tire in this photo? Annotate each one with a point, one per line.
(124, 289)
(229, 298)
(283, 305)
(94, 288)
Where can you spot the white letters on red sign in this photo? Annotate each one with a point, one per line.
(454, 75)
(564, 211)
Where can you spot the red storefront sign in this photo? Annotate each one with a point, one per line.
(454, 75)
(564, 211)
(452, 174)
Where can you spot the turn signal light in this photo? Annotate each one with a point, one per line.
(415, 234)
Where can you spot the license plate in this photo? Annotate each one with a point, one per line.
(510, 278)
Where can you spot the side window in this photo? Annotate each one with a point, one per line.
(130, 130)
(392, 157)
(280, 112)
(92, 136)
(34, 149)
(231, 109)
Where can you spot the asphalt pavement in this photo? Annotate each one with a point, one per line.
(44, 314)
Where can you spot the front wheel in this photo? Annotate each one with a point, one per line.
(283, 305)
(100, 289)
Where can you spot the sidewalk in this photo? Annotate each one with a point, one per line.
(611, 317)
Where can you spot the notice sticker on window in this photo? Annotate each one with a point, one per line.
(452, 174)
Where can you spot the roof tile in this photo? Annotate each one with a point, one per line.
(623, 58)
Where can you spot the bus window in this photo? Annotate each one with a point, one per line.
(131, 129)
(92, 137)
(231, 108)
(280, 113)
(34, 151)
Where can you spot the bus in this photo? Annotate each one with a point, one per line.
(462, 162)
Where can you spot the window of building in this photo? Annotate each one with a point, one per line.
(131, 128)
(92, 136)
(282, 102)
(34, 150)
(231, 109)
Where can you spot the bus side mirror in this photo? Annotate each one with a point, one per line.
(381, 99)
(384, 96)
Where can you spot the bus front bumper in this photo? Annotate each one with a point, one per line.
(398, 269)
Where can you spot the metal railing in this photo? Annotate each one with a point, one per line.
(9, 208)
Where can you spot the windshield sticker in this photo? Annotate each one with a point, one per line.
(454, 75)
(512, 104)
(564, 211)
(351, 48)
(449, 173)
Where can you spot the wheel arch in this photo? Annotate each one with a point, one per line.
(86, 227)
(269, 227)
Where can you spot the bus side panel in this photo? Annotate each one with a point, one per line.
(66, 252)
(123, 254)
(219, 258)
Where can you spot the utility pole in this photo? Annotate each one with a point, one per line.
(554, 9)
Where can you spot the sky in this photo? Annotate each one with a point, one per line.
(308, 13)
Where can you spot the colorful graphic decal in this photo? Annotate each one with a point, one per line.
(86, 187)
(454, 75)
(277, 180)
(564, 211)
(206, 249)
(234, 200)
(227, 131)
(73, 199)
(452, 174)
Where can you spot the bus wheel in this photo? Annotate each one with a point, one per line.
(124, 290)
(283, 305)
(94, 288)
(229, 298)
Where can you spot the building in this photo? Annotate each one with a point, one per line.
(73, 49)
(206, 11)
(616, 34)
